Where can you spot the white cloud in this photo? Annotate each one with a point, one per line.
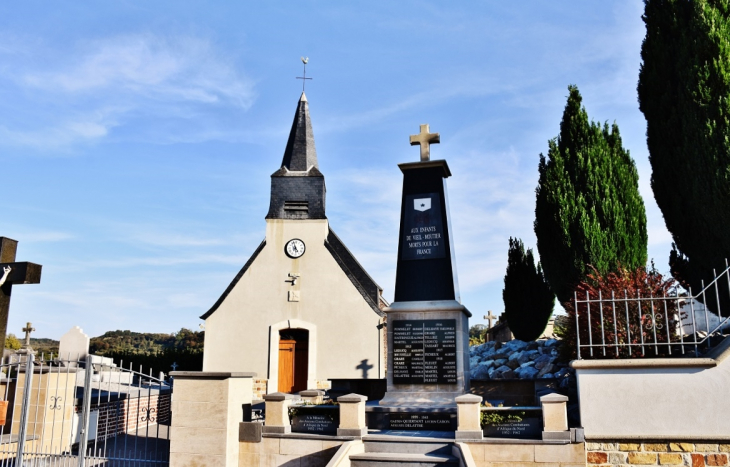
(167, 68)
(82, 94)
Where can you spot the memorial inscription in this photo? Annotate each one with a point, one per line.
(422, 421)
(424, 351)
(314, 423)
(423, 229)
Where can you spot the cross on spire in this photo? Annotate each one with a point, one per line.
(27, 330)
(304, 78)
(425, 140)
(490, 317)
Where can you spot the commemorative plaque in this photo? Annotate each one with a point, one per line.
(320, 424)
(422, 421)
(424, 351)
(423, 229)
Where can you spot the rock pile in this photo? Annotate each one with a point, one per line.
(517, 359)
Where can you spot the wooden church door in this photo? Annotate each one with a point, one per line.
(293, 360)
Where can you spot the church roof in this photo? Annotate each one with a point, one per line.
(300, 153)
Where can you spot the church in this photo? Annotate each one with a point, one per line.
(302, 310)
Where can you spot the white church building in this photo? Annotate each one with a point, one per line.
(302, 310)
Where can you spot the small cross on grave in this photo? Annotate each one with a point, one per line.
(27, 330)
(425, 140)
(12, 273)
(174, 366)
(490, 317)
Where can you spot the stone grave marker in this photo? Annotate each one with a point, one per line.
(74, 345)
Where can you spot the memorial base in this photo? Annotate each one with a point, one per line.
(428, 349)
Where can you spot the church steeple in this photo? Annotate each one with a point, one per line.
(297, 188)
(300, 153)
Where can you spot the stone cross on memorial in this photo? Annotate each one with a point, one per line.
(425, 140)
(17, 273)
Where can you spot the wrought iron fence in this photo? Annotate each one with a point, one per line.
(659, 326)
(80, 413)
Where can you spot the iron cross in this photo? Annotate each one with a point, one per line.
(27, 330)
(304, 78)
(425, 140)
(490, 317)
(19, 273)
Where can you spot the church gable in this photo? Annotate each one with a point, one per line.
(235, 280)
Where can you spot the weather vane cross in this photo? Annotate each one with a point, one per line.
(304, 78)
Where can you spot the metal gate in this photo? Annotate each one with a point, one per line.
(79, 413)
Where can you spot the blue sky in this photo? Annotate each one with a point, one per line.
(137, 139)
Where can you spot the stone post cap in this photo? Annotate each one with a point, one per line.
(553, 397)
(349, 398)
(469, 399)
(311, 393)
(277, 396)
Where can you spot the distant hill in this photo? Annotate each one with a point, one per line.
(158, 351)
(146, 343)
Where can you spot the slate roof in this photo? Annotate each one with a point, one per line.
(300, 153)
(297, 189)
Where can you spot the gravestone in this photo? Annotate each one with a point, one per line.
(428, 327)
(74, 345)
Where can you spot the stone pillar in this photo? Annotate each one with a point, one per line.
(207, 408)
(468, 417)
(555, 417)
(352, 415)
(313, 396)
(277, 413)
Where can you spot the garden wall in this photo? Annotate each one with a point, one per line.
(670, 399)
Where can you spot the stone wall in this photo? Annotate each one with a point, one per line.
(689, 454)
(259, 388)
(288, 451)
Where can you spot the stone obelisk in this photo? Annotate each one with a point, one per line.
(428, 327)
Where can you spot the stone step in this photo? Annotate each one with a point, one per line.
(410, 447)
(390, 459)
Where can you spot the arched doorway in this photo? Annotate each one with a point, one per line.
(293, 360)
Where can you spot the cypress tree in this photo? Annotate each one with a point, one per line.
(684, 93)
(588, 208)
(528, 300)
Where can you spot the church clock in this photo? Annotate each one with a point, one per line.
(294, 248)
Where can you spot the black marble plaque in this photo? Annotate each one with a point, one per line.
(424, 351)
(313, 423)
(423, 230)
(422, 421)
(527, 428)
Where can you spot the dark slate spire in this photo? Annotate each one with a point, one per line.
(300, 153)
(297, 188)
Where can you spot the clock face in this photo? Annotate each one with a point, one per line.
(294, 248)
